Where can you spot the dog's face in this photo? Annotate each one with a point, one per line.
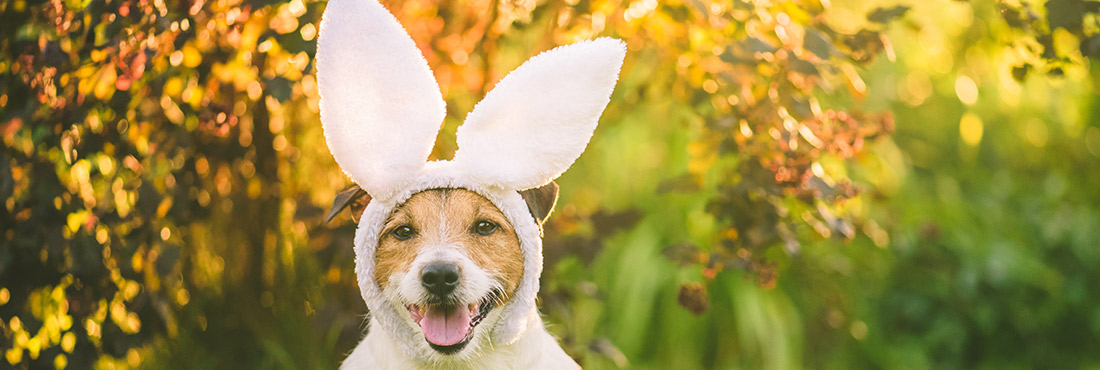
(449, 257)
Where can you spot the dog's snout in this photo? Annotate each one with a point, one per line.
(440, 278)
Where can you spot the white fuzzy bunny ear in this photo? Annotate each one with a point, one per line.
(538, 119)
(381, 108)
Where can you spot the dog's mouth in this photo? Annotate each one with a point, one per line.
(448, 326)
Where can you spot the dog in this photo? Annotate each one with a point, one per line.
(448, 253)
(451, 257)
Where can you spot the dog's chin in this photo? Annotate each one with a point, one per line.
(447, 326)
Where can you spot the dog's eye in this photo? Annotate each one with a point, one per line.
(485, 227)
(402, 233)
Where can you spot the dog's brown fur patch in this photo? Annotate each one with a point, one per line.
(449, 216)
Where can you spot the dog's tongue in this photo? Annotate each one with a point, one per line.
(444, 326)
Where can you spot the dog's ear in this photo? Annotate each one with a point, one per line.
(538, 119)
(381, 107)
(541, 200)
(353, 196)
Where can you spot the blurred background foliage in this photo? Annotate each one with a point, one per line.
(790, 184)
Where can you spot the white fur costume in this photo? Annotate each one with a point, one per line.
(381, 110)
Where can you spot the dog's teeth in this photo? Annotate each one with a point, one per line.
(416, 312)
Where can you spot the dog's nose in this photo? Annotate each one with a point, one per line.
(439, 278)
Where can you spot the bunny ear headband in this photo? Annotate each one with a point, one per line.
(381, 110)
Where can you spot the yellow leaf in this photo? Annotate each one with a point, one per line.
(68, 341)
(60, 361)
(173, 86)
(34, 346)
(105, 83)
(99, 55)
(191, 57)
(76, 219)
(970, 129)
(14, 355)
(855, 83)
(164, 206)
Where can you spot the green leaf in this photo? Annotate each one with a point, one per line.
(886, 15)
(818, 43)
(1090, 47)
(279, 88)
(1067, 14)
(802, 66)
(755, 45)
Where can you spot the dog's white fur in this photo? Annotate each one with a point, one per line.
(499, 336)
(536, 350)
(476, 283)
(381, 110)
